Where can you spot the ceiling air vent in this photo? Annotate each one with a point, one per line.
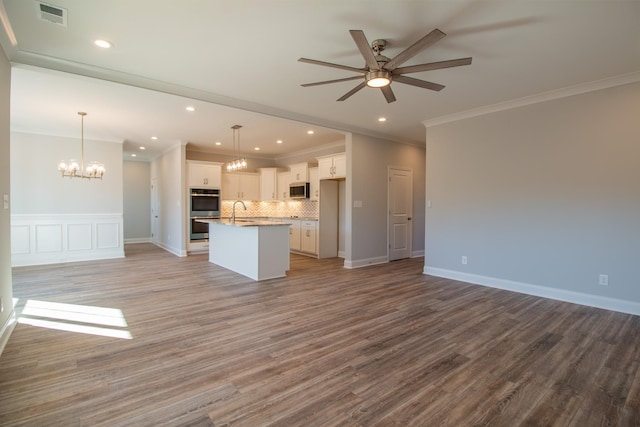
(54, 14)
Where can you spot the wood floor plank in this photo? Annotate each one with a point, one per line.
(383, 345)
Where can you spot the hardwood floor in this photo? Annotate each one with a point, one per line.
(326, 346)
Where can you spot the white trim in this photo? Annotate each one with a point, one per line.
(534, 99)
(132, 241)
(590, 300)
(417, 254)
(341, 254)
(176, 252)
(7, 329)
(366, 262)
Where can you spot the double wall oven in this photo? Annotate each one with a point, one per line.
(204, 203)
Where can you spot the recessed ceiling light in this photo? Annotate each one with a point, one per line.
(310, 132)
(105, 44)
(257, 149)
(143, 148)
(218, 143)
(133, 155)
(279, 141)
(191, 109)
(382, 119)
(155, 138)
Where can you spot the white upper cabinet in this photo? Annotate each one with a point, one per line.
(314, 184)
(204, 174)
(283, 185)
(299, 172)
(240, 186)
(333, 166)
(269, 184)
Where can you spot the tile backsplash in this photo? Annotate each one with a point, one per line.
(299, 208)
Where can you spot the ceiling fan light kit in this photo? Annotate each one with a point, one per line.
(380, 71)
(378, 78)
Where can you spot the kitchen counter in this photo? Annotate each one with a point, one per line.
(258, 249)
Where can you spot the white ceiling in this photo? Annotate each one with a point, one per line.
(234, 59)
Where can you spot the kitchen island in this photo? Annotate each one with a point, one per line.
(254, 248)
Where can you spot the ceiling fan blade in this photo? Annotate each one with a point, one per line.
(420, 83)
(414, 49)
(352, 91)
(329, 64)
(388, 94)
(432, 66)
(346, 79)
(365, 49)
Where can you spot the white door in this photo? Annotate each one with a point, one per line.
(155, 210)
(400, 211)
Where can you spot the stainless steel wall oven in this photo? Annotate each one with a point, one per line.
(203, 203)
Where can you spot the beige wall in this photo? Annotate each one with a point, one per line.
(542, 198)
(38, 188)
(137, 201)
(367, 182)
(6, 291)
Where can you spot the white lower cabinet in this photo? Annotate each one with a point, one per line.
(294, 235)
(302, 235)
(308, 233)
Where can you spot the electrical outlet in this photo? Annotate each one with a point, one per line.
(603, 280)
(464, 260)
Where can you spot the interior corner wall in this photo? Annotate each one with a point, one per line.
(7, 316)
(137, 202)
(541, 199)
(168, 171)
(370, 159)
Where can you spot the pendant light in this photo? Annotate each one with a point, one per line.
(239, 162)
(71, 169)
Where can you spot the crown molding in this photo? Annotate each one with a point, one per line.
(535, 99)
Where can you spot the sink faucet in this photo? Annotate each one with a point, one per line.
(233, 211)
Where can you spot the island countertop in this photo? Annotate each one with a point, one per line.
(243, 222)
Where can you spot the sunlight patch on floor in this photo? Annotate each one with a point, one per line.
(84, 319)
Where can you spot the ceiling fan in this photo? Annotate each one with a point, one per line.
(380, 71)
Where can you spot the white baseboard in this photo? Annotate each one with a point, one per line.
(417, 254)
(7, 329)
(365, 262)
(175, 251)
(137, 240)
(341, 254)
(590, 300)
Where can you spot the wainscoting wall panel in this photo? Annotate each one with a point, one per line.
(50, 239)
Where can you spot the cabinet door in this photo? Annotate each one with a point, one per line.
(340, 166)
(268, 184)
(283, 185)
(308, 232)
(204, 176)
(314, 184)
(294, 236)
(230, 186)
(299, 172)
(249, 186)
(325, 168)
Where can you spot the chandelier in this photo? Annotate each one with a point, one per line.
(71, 169)
(239, 162)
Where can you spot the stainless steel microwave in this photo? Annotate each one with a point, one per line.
(299, 191)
